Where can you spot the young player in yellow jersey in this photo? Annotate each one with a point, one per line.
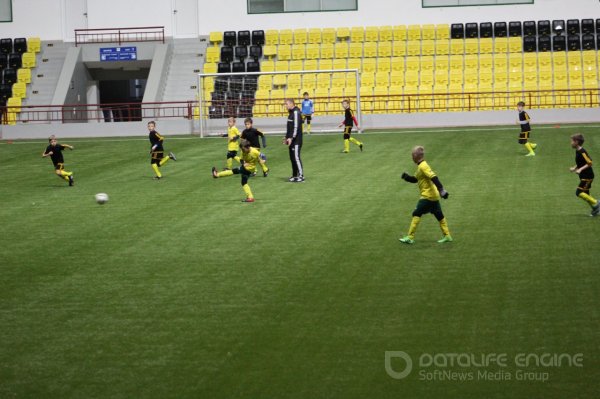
(233, 135)
(250, 159)
(431, 190)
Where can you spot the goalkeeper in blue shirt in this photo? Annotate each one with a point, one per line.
(308, 109)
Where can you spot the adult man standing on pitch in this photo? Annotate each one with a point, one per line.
(293, 139)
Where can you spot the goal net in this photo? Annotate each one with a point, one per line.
(261, 96)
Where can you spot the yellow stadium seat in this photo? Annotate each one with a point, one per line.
(267, 66)
(456, 77)
(269, 51)
(28, 60)
(399, 49)
(575, 74)
(367, 80)
(589, 58)
(343, 33)
(327, 50)
(366, 99)
(15, 104)
(380, 99)
(442, 47)
(457, 46)
(530, 60)
(559, 59)
(209, 67)
(279, 80)
(213, 54)
(215, 38)
(530, 85)
(398, 64)
(471, 61)
(294, 82)
(341, 50)
(428, 47)
(413, 47)
(413, 63)
(399, 33)
(19, 90)
(471, 46)
(414, 32)
(441, 77)
(286, 36)
(350, 81)
(500, 78)
(395, 98)
(336, 94)
(590, 72)
(440, 97)
(384, 49)
(591, 84)
(515, 60)
(501, 45)
(428, 32)
(411, 78)
(310, 65)
(309, 81)
(369, 65)
(34, 44)
(284, 52)
(500, 66)
(298, 51)
(515, 75)
(282, 66)
(272, 37)
(296, 65)
(339, 63)
(315, 37)
(328, 35)
(277, 95)
(355, 50)
(442, 63)
(382, 79)
(471, 75)
(313, 51)
(544, 59)
(427, 63)
(371, 34)
(355, 63)
(442, 31)
(24, 75)
(456, 97)
(384, 65)
(323, 81)
(426, 78)
(386, 33)
(515, 44)
(397, 78)
(574, 58)
(370, 50)
(456, 62)
(357, 34)
(325, 63)
(486, 45)
(300, 36)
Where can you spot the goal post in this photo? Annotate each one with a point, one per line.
(261, 96)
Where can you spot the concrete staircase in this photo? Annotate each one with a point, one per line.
(186, 62)
(44, 77)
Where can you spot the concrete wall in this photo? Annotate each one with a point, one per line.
(46, 18)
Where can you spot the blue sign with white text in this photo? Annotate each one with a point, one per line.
(118, 54)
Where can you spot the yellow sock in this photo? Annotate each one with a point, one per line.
(247, 191)
(237, 159)
(308, 128)
(264, 167)
(529, 147)
(346, 145)
(533, 145)
(225, 173)
(413, 227)
(229, 163)
(156, 170)
(352, 139)
(588, 198)
(65, 175)
(164, 161)
(444, 227)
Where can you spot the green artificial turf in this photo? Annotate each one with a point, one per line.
(176, 289)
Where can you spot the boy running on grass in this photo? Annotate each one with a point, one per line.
(431, 190)
(250, 157)
(525, 129)
(583, 167)
(157, 151)
(348, 122)
(251, 134)
(54, 151)
(233, 135)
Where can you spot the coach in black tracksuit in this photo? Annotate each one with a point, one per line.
(293, 139)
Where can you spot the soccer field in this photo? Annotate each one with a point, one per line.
(176, 289)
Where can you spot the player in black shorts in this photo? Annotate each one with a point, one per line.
(525, 130)
(251, 134)
(583, 167)
(54, 151)
(157, 151)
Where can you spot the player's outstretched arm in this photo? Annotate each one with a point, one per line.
(406, 177)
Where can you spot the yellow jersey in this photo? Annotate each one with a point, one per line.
(251, 159)
(424, 175)
(231, 133)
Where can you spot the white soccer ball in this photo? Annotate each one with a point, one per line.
(102, 198)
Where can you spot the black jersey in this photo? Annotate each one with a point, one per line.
(348, 117)
(524, 121)
(294, 126)
(581, 159)
(156, 140)
(57, 156)
(252, 136)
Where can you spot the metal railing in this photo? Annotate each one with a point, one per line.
(117, 112)
(120, 35)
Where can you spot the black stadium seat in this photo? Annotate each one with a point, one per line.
(573, 27)
(14, 60)
(529, 44)
(558, 26)
(529, 28)
(588, 42)
(253, 66)
(587, 26)
(229, 38)
(574, 43)
(20, 45)
(255, 52)
(515, 29)
(5, 92)
(6, 46)
(243, 38)
(544, 43)
(238, 67)
(559, 43)
(543, 28)
(457, 31)
(3, 61)
(241, 52)
(471, 30)
(224, 67)
(226, 54)
(258, 37)
(486, 29)
(500, 29)
(9, 76)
